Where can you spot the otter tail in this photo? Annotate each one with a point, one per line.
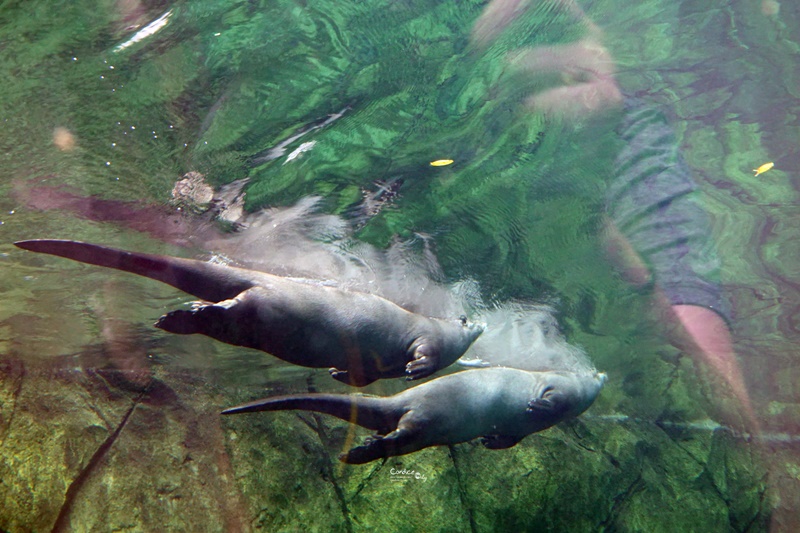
(367, 411)
(200, 279)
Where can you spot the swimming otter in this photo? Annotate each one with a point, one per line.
(361, 336)
(502, 405)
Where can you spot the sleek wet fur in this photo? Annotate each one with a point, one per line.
(502, 405)
(362, 337)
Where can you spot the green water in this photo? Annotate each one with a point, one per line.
(520, 211)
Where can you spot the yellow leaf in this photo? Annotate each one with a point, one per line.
(763, 168)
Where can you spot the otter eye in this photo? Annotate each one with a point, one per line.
(463, 319)
(547, 390)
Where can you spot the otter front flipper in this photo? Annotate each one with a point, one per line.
(424, 363)
(551, 403)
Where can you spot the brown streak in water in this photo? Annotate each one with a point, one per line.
(62, 521)
(161, 222)
(12, 370)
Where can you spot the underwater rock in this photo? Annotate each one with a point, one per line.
(192, 192)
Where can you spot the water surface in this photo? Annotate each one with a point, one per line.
(115, 101)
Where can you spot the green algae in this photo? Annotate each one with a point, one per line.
(519, 210)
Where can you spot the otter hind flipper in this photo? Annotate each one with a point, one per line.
(211, 319)
(404, 439)
(180, 322)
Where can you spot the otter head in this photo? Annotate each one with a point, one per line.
(562, 394)
(473, 330)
